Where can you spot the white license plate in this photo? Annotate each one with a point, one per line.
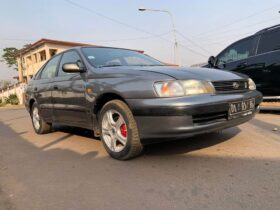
(240, 107)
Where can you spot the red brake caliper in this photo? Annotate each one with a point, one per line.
(123, 130)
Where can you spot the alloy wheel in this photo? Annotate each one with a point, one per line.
(36, 118)
(114, 130)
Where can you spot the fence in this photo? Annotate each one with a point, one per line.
(17, 89)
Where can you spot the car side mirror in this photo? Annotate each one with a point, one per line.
(72, 68)
(211, 61)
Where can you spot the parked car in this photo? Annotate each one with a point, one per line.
(126, 97)
(257, 56)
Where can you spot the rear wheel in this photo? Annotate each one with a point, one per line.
(39, 125)
(119, 132)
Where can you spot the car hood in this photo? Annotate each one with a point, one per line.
(183, 73)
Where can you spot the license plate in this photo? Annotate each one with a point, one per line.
(240, 107)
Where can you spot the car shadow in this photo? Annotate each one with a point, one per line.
(169, 147)
(172, 147)
(74, 131)
(191, 144)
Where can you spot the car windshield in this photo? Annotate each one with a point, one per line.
(110, 57)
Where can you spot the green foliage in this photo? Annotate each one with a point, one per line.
(12, 99)
(26, 45)
(10, 57)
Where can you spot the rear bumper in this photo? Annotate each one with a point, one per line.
(175, 117)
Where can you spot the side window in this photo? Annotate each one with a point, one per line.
(269, 42)
(50, 69)
(69, 57)
(238, 51)
(37, 75)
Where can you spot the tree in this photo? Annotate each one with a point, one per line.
(10, 56)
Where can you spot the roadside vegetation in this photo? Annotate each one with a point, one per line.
(12, 99)
(1, 103)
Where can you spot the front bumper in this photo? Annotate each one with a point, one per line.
(165, 118)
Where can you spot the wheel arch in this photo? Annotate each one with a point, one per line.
(104, 98)
(99, 103)
(30, 104)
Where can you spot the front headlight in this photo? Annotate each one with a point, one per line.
(183, 88)
(197, 87)
(169, 89)
(252, 85)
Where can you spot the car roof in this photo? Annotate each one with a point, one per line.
(268, 29)
(271, 28)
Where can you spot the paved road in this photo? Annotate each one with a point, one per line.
(67, 169)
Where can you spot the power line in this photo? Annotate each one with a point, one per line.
(230, 39)
(126, 25)
(231, 36)
(127, 39)
(239, 20)
(102, 40)
(251, 32)
(194, 43)
(193, 51)
(120, 23)
(251, 25)
(107, 17)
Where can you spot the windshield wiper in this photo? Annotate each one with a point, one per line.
(148, 65)
(112, 65)
(156, 65)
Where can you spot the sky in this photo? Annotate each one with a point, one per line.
(204, 27)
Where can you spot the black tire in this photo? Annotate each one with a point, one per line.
(44, 127)
(133, 145)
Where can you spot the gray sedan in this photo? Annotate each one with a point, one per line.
(129, 99)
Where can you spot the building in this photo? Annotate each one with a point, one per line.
(32, 58)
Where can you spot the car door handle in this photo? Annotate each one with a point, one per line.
(55, 87)
(35, 89)
(242, 65)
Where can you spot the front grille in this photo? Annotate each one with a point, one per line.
(209, 118)
(230, 86)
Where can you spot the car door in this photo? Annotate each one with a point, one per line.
(235, 57)
(266, 63)
(43, 86)
(69, 99)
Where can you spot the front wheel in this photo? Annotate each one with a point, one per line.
(39, 125)
(119, 132)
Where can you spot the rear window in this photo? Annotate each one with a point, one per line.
(269, 42)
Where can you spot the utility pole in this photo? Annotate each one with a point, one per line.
(176, 47)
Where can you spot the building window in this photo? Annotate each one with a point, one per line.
(53, 52)
(42, 55)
